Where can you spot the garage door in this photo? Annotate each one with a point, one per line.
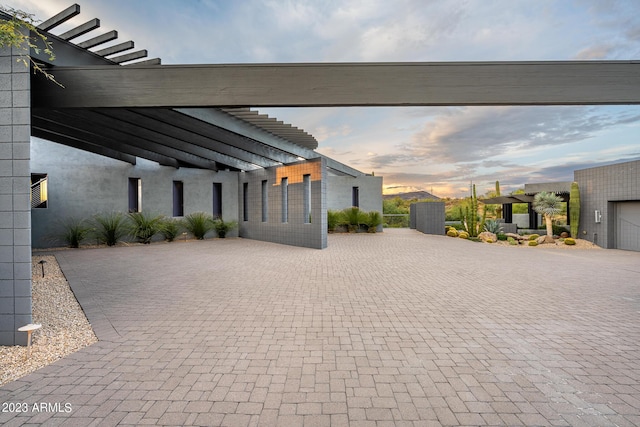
(628, 226)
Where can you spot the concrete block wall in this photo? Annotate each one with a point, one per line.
(429, 217)
(82, 184)
(340, 190)
(15, 205)
(600, 189)
(296, 230)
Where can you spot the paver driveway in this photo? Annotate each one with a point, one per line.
(396, 329)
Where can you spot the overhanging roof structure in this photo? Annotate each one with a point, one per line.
(209, 138)
(198, 115)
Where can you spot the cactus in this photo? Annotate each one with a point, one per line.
(452, 232)
(470, 219)
(569, 241)
(499, 208)
(574, 209)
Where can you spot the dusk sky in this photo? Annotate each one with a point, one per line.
(437, 149)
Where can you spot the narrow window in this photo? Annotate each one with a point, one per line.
(178, 198)
(135, 195)
(217, 200)
(245, 200)
(355, 197)
(39, 191)
(306, 182)
(265, 202)
(284, 187)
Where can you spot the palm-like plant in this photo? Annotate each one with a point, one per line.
(144, 226)
(75, 231)
(549, 205)
(110, 227)
(199, 224)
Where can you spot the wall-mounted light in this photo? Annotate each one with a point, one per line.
(598, 217)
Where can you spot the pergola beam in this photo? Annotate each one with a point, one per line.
(81, 29)
(60, 18)
(343, 84)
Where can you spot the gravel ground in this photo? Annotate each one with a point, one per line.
(65, 328)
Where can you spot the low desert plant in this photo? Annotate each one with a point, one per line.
(354, 217)
(533, 243)
(534, 236)
(489, 240)
(198, 224)
(223, 227)
(74, 231)
(144, 226)
(463, 235)
(170, 228)
(453, 232)
(501, 236)
(334, 219)
(110, 227)
(512, 241)
(492, 226)
(373, 220)
(569, 241)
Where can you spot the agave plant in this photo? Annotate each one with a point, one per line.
(354, 217)
(199, 224)
(492, 226)
(144, 226)
(110, 227)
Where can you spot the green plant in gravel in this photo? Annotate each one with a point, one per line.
(512, 241)
(453, 232)
(569, 241)
(110, 227)
(534, 236)
(223, 227)
(144, 226)
(463, 235)
(574, 209)
(74, 231)
(170, 228)
(533, 243)
(199, 224)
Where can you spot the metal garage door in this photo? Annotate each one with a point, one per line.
(628, 226)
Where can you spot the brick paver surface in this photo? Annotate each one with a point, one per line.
(392, 329)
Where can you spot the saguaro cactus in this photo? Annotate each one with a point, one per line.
(499, 208)
(574, 209)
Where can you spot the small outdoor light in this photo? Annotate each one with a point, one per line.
(185, 236)
(29, 330)
(42, 263)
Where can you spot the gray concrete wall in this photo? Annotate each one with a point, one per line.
(297, 230)
(339, 192)
(82, 184)
(15, 205)
(429, 217)
(600, 188)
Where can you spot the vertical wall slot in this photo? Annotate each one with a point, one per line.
(178, 198)
(306, 183)
(135, 195)
(284, 187)
(265, 201)
(245, 201)
(217, 200)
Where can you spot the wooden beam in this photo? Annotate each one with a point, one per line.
(60, 18)
(81, 29)
(361, 84)
(130, 56)
(115, 48)
(98, 40)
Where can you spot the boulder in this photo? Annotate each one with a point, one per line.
(486, 235)
(514, 236)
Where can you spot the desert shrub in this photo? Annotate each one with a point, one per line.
(492, 226)
(489, 240)
(512, 241)
(452, 232)
(74, 231)
(110, 227)
(354, 217)
(373, 220)
(463, 235)
(569, 241)
(198, 224)
(170, 228)
(533, 243)
(144, 226)
(502, 236)
(223, 227)
(534, 236)
(334, 219)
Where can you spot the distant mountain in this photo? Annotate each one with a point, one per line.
(411, 195)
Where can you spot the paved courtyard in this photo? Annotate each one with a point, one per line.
(392, 329)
